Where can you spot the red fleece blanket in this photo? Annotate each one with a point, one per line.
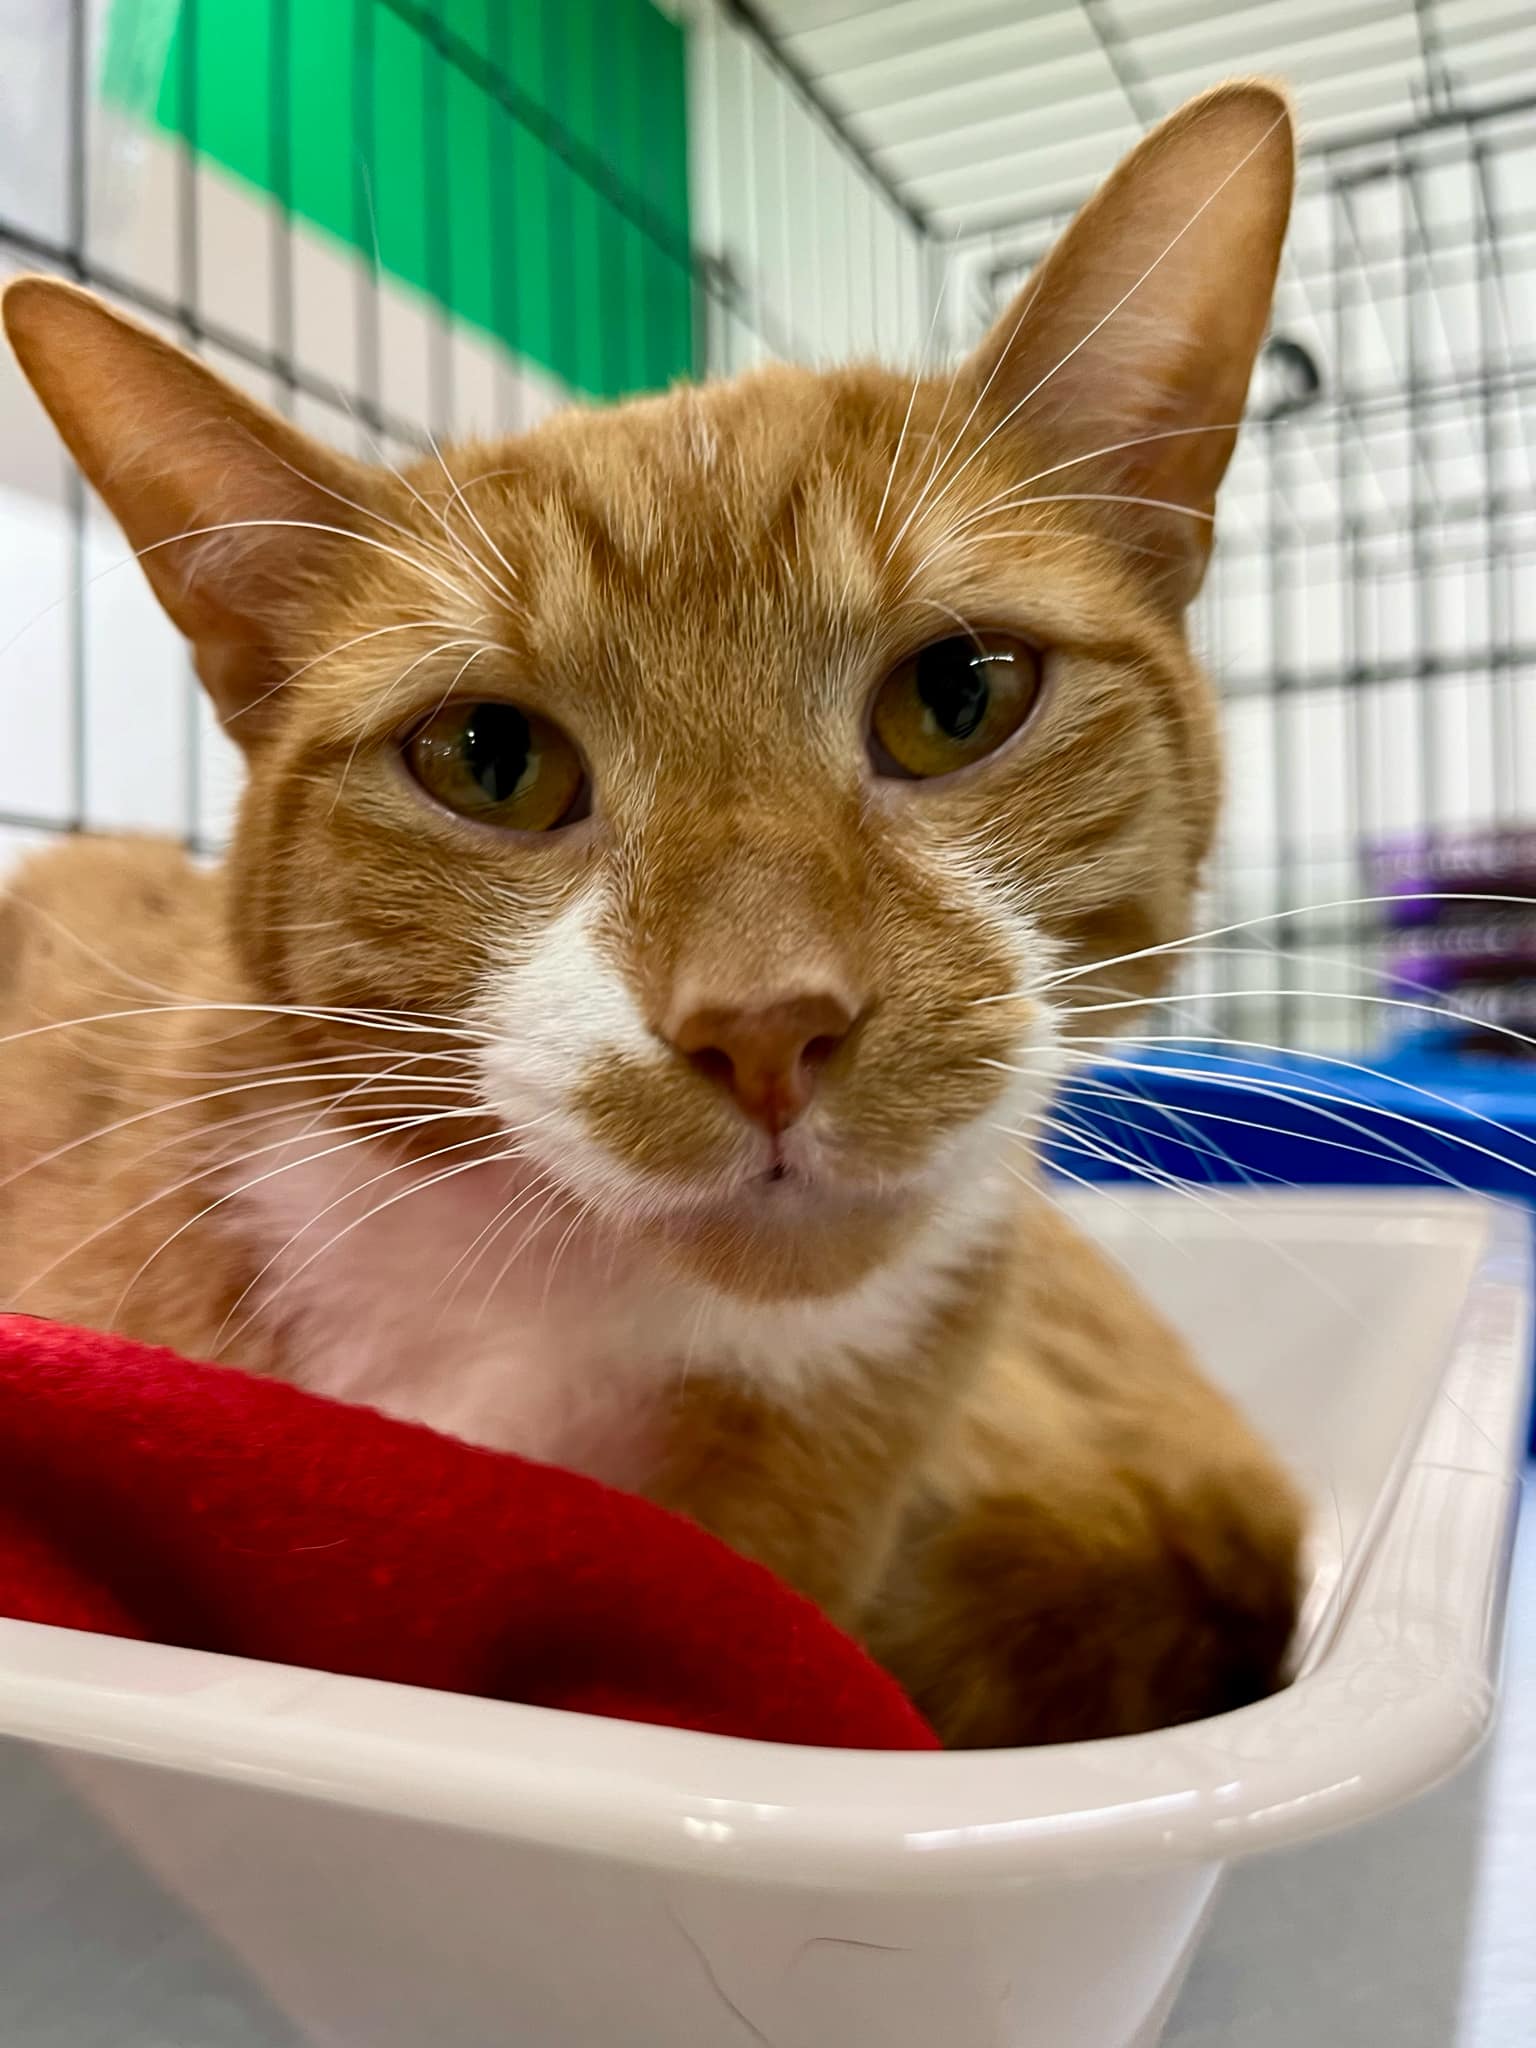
(142, 1495)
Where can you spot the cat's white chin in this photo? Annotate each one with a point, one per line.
(790, 1198)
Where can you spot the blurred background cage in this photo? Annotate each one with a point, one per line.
(400, 220)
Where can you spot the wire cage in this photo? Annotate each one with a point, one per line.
(399, 220)
(1370, 616)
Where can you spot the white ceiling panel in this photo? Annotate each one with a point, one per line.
(985, 113)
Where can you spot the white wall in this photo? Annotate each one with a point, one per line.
(829, 268)
(100, 723)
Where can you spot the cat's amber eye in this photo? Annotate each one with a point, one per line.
(953, 703)
(496, 763)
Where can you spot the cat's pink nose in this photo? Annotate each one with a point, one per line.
(768, 1055)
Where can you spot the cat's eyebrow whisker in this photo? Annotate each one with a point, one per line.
(937, 605)
(1056, 533)
(1110, 448)
(1019, 504)
(463, 555)
(425, 569)
(938, 455)
(1280, 121)
(450, 689)
(457, 496)
(359, 640)
(485, 476)
(456, 553)
(917, 383)
(941, 462)
(137, 555)
(1014, 494)
(439, 512)
(399, 682)
(449, 556)
(971, 527)
(347, 533)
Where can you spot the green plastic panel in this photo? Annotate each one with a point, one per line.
(522, 162)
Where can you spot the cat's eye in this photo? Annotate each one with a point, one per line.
(953, 703)
(499, 764)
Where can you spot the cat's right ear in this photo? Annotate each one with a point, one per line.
(234, 514)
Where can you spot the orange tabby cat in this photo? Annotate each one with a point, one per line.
(674, 844)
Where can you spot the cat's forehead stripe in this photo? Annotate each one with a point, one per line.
(751, 481)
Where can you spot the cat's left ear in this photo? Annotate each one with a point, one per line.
(1125, 359)
(237, 518)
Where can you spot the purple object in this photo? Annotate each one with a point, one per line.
(1465, 949)
(1419, 869)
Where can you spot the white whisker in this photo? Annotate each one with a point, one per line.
(553, 1197)
(1103, 320)
(416, 1187)
(357, 1020)
(917, 382)
(369, 1135)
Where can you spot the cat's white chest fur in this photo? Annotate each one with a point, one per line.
(475, 1306)
(472, 1308)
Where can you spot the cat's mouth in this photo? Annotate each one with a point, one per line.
(786, 1194)
(782, 1182)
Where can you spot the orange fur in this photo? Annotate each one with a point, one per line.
(887, 1369)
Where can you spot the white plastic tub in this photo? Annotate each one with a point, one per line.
(403, 1869)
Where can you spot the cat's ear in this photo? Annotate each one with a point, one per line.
(1142, 324)
(235, 515)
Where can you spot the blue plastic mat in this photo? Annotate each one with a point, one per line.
(1230, 1117)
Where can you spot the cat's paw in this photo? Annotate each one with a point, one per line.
(1021, 1619)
